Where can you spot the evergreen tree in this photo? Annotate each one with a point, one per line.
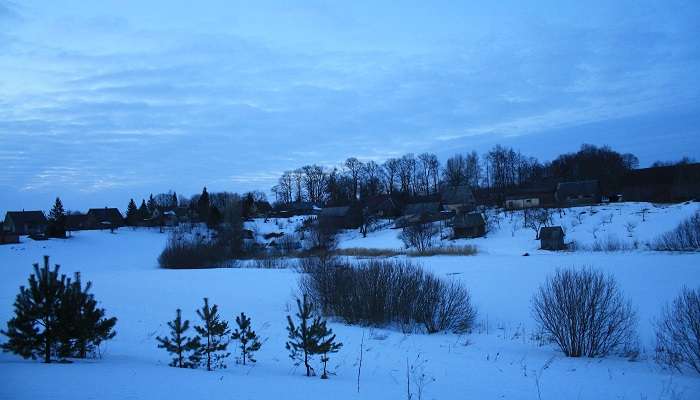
(144, 214)
(248, 340)
(203, 205)
(151, 205)
(173, 201)
(178, 344)
(34, 329)
(82, 325)
(132, 213)
(214, 333)
(310, 337)
(214, 218)
(326, 344)
(57, 220)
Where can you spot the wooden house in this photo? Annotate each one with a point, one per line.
(345, 217)
(571, 194)
(104, 218)
(458, 199)
(419, 213)
(25, 222)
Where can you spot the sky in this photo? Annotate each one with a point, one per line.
(103, 101)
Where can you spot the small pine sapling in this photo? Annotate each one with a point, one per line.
(214, 333)
(178, 344)
(248, 340)
(301, 340)
(325, 343)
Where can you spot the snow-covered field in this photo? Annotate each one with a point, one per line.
(502, 361)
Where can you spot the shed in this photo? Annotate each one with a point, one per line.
(8, 237)
(468, 225)
(25, 222)
(381, 206)
(552, 238)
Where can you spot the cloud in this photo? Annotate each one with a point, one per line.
(129, 100)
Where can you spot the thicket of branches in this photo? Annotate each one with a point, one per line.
(685, 237)
(419, 236)
(678, 331)
(387, 292)
(584, 313)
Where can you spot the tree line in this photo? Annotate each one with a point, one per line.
(423, 174)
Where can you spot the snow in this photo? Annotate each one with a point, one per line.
(501, 362)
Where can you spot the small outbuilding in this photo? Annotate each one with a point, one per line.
(458, 199)
(8, 237)
(468, 225)
(552, 238)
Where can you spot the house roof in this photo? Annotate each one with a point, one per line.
(468, 220)
(106, 214)
(26, 217)
(551, 232)
(566, 189)
(421, 208)
(461, 194)
(335, 211)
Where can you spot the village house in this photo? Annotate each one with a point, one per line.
(76, 222)
(25, 222)
(571, 194)
(419, 213)
(345, 217)
(382, 206)
(533, 197)
(552, 238)
(104, 218)
(458, 199)
(468, 225)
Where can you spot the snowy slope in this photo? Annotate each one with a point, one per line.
(502, 361)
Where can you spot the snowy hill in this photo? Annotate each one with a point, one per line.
(501, 359)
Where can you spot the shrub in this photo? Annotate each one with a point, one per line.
(383, 292)
(182, 253)
(419, 236)
(678, 331)
(685, 237)
(584, 313)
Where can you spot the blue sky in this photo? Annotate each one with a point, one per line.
(102, 101)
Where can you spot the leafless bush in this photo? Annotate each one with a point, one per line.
(182, 253)
(678, 331)
(322, 236)
(419, 236)
(686, 237)
(387, 292)
(611, 244)
(584, 313)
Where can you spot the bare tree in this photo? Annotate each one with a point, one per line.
(584, 313)
(407, 166)
(420, 236)
(391, 172)
(354, 168)
(537, 218)
(678, 331)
